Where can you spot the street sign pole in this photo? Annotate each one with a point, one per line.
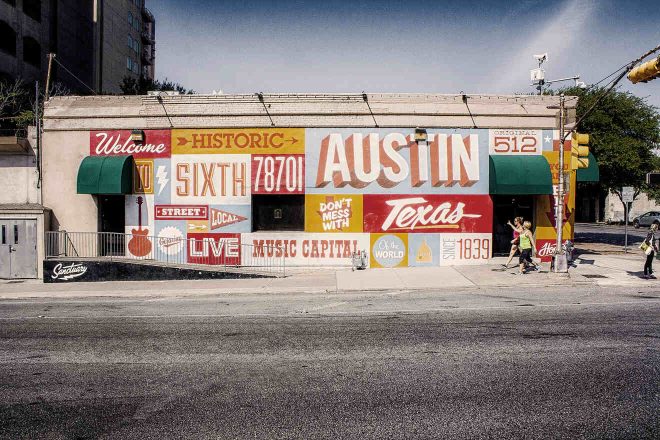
(625, 212)
(627, 196)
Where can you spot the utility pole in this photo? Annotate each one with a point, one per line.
(559, 205)
(50, 65)
(37, 117)
(559, 220)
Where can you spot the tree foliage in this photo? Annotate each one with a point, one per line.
(17, 102)
(140, 86)
(624, 135)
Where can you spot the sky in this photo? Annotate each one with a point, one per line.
(441, 46)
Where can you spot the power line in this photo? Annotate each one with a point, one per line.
(628, 65)
(71, 73)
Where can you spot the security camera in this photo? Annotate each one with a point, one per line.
(541, 57)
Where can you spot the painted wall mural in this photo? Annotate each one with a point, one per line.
(209, 178)
(157, 143)
(304, 249)
(333, 213)
(428, 213)
(363, 189)
(515, 142)
(378, 161)
(239, 141)
(545, 214)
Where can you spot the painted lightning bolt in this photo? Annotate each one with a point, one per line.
(161, 175)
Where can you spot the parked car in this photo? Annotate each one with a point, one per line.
(647, 219)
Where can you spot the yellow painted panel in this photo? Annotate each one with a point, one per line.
(239, 140)
(198, 226)
(143, 176)
(333, 213)
(389, 250)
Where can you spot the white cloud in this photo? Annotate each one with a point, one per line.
(557, 36)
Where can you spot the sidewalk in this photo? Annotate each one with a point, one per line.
(590, 270)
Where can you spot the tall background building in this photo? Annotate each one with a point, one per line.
(99, 42)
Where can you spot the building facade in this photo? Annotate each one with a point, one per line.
(99, 42)
(126, 39)
(316, 177)
(25, 39)
(23, 219)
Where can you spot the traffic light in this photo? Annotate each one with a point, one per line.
(579, 151)
(653, 179)
(645, 71)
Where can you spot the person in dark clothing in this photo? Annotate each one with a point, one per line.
(650, 241)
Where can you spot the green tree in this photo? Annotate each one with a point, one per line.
(624, 131)
(13, 100)
(17, 102)
(140, 86)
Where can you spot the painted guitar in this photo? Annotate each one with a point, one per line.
(139, 245)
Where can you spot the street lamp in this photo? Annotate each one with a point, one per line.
(421, 135)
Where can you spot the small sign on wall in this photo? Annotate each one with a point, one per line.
(515, 142)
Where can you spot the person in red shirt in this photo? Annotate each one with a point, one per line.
(517, 230)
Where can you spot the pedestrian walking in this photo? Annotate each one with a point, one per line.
(527, 247)
(517, 230)
(649, 247)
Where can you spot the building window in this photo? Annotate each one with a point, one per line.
(275, 212)
(132, 65)
(32, 51)
(133, 44)
(130, 19)
(7, 39)
(32, 8)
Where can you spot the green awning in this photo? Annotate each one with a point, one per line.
(106, 175)
(520, 175)
(591, 173)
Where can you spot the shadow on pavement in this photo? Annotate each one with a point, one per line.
(638, 274)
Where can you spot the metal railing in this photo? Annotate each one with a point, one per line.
(211, 252)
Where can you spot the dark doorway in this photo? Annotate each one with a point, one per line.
(506, 208)
(589, 202)
(111, 225)
(278, 212)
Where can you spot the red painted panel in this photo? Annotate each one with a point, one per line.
(181, 212)
(545, 249)
(278, 174)
(214, 249)
(157, 143)
(427, 213)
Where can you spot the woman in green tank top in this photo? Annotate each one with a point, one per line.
(527, 246)
(525, 242)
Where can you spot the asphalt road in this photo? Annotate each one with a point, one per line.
(609, 234)
(477, 364)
